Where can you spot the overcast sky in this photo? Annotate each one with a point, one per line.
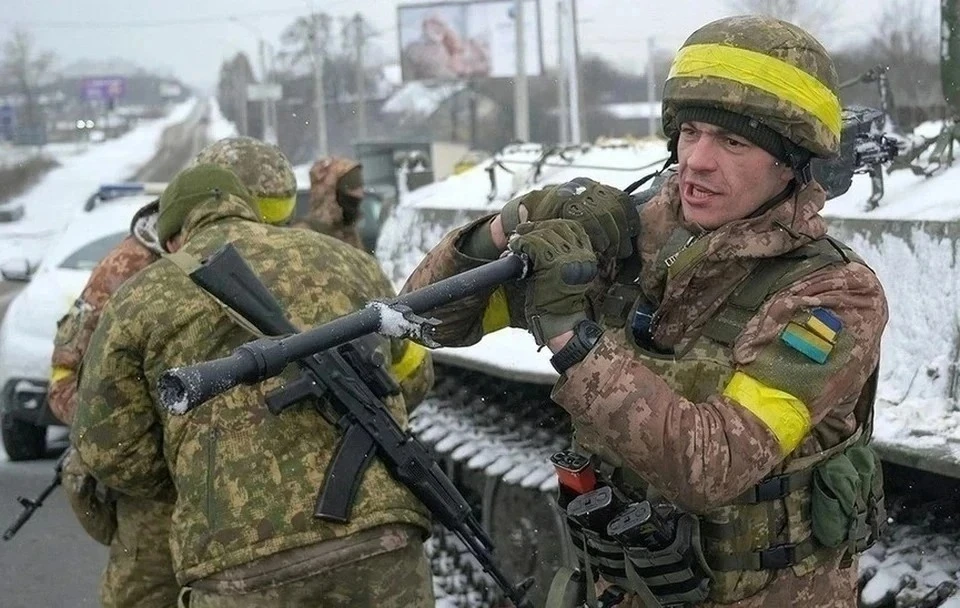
(190, 38)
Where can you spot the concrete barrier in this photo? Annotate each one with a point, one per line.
(917, 422)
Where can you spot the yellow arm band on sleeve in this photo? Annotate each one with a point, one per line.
(786, 416)
(409, 362)
(761, 71)
(496, 315)
(60, 373)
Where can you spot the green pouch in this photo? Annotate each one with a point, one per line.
(868, 465)
(835, 497)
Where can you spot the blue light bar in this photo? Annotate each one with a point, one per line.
(112, 191)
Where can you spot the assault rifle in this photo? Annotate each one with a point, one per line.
(30, 506)
(346, 380)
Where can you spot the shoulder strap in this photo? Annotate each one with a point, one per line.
(187, 263)
(769, 276)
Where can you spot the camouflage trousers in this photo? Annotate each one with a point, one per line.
(139, 572)
(396, 579)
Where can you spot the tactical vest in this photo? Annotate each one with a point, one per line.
(768, 528)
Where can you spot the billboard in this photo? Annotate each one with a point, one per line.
(103, 89)
(456, 40)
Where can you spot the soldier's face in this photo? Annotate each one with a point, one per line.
(724, 177)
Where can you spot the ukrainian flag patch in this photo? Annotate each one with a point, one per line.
(825, 324)
(814, 335)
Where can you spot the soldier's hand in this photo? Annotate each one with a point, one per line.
(563, 267)
(606, 214)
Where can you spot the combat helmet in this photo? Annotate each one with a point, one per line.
(773, 76)
(262, 168)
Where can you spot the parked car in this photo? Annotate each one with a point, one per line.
(30, 323)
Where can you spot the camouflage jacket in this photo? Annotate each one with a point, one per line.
(704, 454)
(245, 480)
(325, 215)
(134, 253)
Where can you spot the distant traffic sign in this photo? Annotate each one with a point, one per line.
(8, 122)
(264, 92)
(103, 89)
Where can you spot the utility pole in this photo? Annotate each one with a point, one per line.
(240, 83)
(573, 73)
(268, 134)
(320, 97)
(651, 86)
(360, 33)
(563, 111)
(521, 104)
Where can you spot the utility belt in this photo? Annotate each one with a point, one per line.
(670, 558)
(652, 550)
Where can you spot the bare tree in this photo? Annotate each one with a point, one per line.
(906, 38)
(815, 16)
(26, 67)
(235, 75)
(299, 38)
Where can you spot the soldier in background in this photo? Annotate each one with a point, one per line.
(243, 481)
(145, 578)
(336, 192)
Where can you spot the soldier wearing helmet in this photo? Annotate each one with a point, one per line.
(146, 578)
(720, 368)
(336, 191)
(262, 168)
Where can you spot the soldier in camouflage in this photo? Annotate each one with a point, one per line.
(336, 191)
(243, 481)
(146, 578)
(131, 578)
(724, 360)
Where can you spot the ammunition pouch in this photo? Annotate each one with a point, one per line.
(847, 500)
(676, 575)
(598, 554)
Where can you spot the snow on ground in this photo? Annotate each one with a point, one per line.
(61, 193)
(219, 127)
(11, 155)
(917, 558)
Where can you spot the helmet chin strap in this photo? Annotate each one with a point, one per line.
(672, 148)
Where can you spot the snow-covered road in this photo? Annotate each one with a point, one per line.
(61, 193)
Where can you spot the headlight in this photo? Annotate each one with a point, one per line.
(26, 394)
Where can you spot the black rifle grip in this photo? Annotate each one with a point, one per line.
(344, 474)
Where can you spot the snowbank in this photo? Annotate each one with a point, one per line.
(421, 99)
(51, 203)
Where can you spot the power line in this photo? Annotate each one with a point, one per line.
(145, 23)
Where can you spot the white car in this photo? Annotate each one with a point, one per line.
(30, 323)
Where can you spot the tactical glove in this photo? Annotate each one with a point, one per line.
(563, 267)
(606, 214)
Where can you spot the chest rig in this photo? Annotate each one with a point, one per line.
(734, 551)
